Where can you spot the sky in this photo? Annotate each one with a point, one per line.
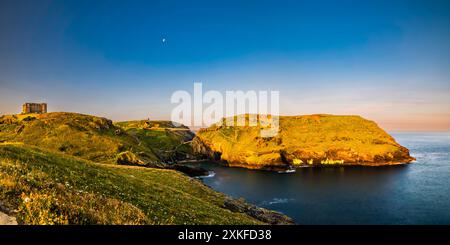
(387, 61)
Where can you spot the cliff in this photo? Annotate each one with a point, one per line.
(313, 140)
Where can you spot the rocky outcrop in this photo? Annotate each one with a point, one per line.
(314, 140)
(204, 151)
(188, 170)
(128, 158)
(7, 220)
(5, 216)
(262, 214)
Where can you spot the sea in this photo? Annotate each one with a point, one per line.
(416, 193)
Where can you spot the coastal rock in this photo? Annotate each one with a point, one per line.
(128, 158)
(262, 214)
(189, 170)
(313, 140)
(7, 220)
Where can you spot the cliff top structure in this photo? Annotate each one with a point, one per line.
(34, 108)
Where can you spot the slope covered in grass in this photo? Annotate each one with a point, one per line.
(169, 142)
(95, 138)
(46, 187)
(303, 140)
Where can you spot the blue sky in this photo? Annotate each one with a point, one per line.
(385, 60)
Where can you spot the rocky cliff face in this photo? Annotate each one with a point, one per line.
(314, 140)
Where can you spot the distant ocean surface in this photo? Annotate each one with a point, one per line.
(418, 193)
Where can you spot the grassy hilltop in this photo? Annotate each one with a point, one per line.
(68, 168)
(98, 139)
(313, 140)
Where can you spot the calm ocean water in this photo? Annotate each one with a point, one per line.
(418, 193)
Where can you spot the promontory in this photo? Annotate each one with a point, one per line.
(301, 141)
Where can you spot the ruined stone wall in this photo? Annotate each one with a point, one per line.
(34, 108)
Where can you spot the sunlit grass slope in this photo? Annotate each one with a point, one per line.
(169, 141)
(47, 187)
(304, 140)
(97, 139)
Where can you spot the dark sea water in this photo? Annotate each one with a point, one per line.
(418, 193)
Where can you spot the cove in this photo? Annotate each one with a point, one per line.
(417, 193)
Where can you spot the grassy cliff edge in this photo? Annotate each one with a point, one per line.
(312, 140)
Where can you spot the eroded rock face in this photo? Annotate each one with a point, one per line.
(313, 140)
(204, 151)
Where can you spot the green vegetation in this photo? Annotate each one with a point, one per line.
(98, 139)
(304, 140)
(48, 187)
(69, 168)
(168, 141)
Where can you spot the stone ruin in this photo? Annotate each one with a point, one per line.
(34, 108)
